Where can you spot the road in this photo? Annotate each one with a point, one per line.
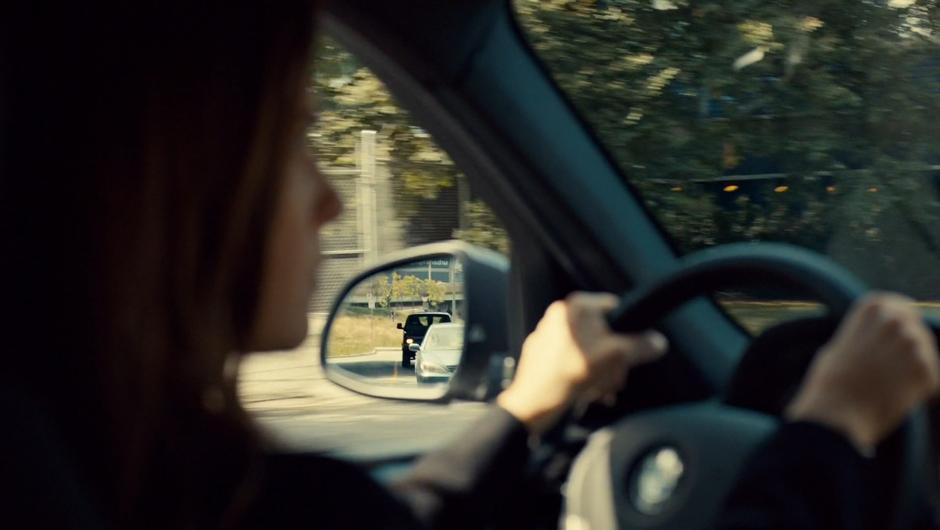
(289, 395)
(381, 366)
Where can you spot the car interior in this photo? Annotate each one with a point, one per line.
(668, 451)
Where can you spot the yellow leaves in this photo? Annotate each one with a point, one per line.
(664, 5)
(335, 121)
(760, 35)
(638, 60)
(615, 14)
(366, 90)
(756, 32)
(425, 183)
(730, 158)
(580, 8)
(810, 24)
(531, 6)
(429, 155)
(634, 117)
(656, 83)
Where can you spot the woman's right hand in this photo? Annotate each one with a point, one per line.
(574, 357)
(881, 363)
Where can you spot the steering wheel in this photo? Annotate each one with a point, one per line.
(671, 468)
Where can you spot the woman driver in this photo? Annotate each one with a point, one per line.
(161, 216)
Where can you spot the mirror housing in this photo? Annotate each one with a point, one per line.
(481, 372)
(400, 326)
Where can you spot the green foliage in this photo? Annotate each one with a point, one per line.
(386, 289)
(483, 228)
(436, 291)
(350, 99)
(838, 98)
(381, 290)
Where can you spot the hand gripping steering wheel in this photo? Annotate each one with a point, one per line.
(714, 439)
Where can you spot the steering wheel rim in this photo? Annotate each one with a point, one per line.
(732, 265)
(739, 264)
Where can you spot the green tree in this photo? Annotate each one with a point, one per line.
(483, 228)
(350, 98)
(407, 288)
(436, 291)
(838, 97)
(381, 289)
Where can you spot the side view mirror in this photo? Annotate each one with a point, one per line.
(465, 335)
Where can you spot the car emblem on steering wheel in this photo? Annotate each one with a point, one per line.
(655, 480)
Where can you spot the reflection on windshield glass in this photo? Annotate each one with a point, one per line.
(801, 122)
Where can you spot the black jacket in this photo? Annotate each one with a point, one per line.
(812, 478)
(458, 487)
(806, 477)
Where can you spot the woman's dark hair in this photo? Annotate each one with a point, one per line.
(143, 149)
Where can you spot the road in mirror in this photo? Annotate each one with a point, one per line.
(401, 327)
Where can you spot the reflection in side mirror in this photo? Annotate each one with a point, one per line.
(448, 303)
(425, 297)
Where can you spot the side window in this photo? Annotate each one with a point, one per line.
(399, 190)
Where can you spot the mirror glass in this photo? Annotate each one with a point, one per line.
(400, 327)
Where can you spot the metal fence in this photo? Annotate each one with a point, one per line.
(370, 225)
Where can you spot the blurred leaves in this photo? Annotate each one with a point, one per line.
(350, 99)
(832, 98)
(483, 228)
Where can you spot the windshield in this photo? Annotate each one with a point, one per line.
(799, 122)
(444, 338)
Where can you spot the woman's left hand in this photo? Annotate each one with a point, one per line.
(573, 356)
